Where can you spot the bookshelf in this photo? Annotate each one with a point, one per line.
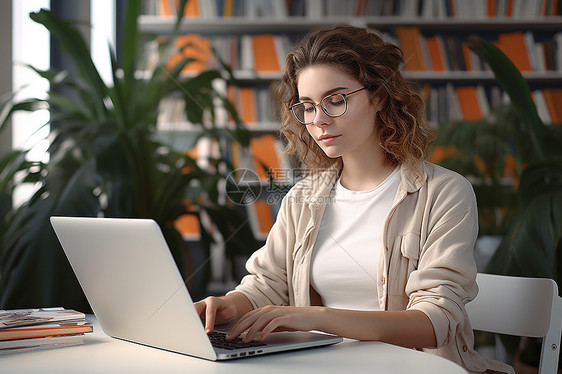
(442, 22)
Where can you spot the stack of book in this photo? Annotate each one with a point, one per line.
(32, 329)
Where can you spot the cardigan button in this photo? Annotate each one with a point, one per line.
(464, 348)
(383, 280)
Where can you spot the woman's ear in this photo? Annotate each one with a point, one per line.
(379, 99)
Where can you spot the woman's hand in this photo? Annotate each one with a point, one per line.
(224, 309)
(216, 310)
(259, 323)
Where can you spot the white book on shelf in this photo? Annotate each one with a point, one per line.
(409, 8)
(542, 108)
(453, 106)
(251, 8)
(482, 100)
(279, 8)
(428, 9)
(282, 46)
(501, 8)
(314, 9)
(539, 51)
(531, 49)
(246, 53)
(221, 115)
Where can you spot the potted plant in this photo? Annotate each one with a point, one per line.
(105, 159)
(531, 204)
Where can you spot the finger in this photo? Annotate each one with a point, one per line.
(255, 332)
(243, 324)
(200, 308)
(210, 315)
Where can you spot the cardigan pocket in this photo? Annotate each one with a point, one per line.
(410, 248)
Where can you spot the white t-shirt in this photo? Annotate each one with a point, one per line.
(344, 261)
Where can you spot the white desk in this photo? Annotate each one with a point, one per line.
(102, 354)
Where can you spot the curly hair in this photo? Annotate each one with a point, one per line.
(402, 131)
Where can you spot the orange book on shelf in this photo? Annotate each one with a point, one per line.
(188, 226)
(264, 152)
(231, 97)
(248, 105)
(492, 8)
(228, 8)
(513, 45)
(165, 8)
(468, 101)
(553, 98)
(440, 153)
(436, 54)
(409, 38)
(191, 46)
(191, 8)
(264, 217)
(265, 54)
(466, 56)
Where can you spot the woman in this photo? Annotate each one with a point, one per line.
(376, 243)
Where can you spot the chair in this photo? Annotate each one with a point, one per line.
(520, 306)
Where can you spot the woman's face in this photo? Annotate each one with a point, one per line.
(351, 135)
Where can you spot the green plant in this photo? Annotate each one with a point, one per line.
(105, 160)
(532, 234)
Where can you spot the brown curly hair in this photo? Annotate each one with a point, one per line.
(402, 131)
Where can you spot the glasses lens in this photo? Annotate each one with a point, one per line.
(304, 112)
(334, 105)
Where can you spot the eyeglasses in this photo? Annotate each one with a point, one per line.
(334, 105)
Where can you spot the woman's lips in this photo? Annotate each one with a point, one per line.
(327, 139)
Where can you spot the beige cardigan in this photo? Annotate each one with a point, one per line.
(427, 264)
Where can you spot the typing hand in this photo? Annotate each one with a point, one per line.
(261, 322)
(215, 310)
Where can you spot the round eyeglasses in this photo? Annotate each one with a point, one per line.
(334, 105)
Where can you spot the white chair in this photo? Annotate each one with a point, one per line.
(520, 306)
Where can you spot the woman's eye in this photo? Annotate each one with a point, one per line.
(335, 101)
(309, 109)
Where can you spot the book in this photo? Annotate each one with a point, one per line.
(42, 330)
(514, 46)
(264, 152)
(265, 53)
(25, 345)
(27, 317)
(468, 100)
(437, 53)
(410, 38)
(261, 218)
(191, 46)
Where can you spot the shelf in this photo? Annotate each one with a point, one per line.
(549, 77)
(539, 77)
(158, 24)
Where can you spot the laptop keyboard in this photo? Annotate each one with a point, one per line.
(218, 340)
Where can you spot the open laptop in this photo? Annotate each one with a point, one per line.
(137, 293)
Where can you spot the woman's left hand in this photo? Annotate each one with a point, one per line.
(261, 322)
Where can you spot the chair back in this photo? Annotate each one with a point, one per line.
(520, 306)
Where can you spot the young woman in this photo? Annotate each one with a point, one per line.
(376, 243)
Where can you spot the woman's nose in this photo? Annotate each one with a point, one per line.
(321, 119)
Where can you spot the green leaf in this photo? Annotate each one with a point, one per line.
(516, 87)
(73, 44)
(530, 246)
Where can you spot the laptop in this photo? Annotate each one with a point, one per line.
(134, 287)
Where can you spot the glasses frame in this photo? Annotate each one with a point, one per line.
(321, 103)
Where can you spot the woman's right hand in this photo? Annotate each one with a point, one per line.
(216, 310)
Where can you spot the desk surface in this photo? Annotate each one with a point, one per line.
(103, 354)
